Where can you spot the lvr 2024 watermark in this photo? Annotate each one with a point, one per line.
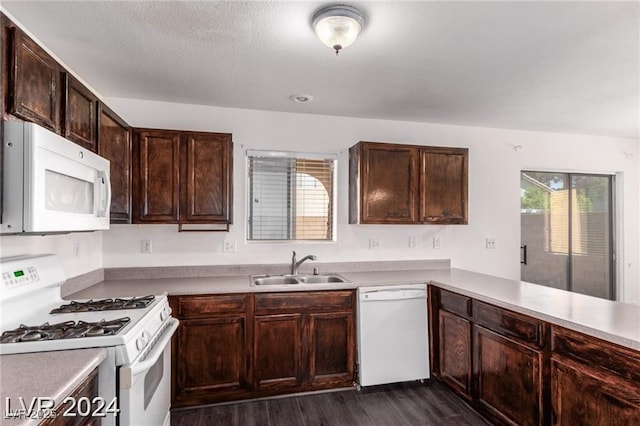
(40, 407)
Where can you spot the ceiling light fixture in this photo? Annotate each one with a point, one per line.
(338, 26)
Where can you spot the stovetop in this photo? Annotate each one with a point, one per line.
(64, 330)
(104, 305)
(34, 318)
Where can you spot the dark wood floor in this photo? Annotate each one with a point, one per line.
(428, 404)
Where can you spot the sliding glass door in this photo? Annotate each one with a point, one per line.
(567, 231)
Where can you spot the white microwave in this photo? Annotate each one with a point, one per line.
(50, 184)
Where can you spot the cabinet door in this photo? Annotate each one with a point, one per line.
(455, 352)
(156, 179)
(35, 83)
(584, 396)
(83, 399)
(389, 183)
(115, 145)
(277, 351)
(444, 185)
(206, 178)
(332, 349)
(80, 114)
(211, 359)
(509, 378)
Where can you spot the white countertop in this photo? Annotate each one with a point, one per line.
(43, 374)
(612, 321)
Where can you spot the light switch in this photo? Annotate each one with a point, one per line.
(146, 247)
(437, 243)
(374, 243)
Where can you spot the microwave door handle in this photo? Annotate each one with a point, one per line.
(105, 193)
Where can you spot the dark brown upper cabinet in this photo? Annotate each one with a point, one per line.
(443, 185)
(182, 177)
(156, 176)
(407, 184)
(34, 90)
(80, 114)
(206, 175)
(114, 143)
(383, 183)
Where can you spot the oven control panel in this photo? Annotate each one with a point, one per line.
(20, 277)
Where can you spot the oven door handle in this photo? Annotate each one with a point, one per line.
(128, 372)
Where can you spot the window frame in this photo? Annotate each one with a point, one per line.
(296, 155)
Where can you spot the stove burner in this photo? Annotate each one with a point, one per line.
(104, 305)
(64, 330)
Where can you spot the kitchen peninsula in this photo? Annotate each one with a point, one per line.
(487, 334)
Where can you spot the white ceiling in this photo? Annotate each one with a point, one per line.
(561, 66)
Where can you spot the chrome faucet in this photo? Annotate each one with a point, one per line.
(296, 264)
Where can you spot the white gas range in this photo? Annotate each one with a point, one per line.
(136, 332)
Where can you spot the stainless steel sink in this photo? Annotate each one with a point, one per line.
(324, 278)
(275, 280)
(297, 279)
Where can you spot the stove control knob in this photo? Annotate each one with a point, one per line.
(164, 314)
(141, 342)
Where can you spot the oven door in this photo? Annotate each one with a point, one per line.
(145, 385)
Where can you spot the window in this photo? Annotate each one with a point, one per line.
(291, 196)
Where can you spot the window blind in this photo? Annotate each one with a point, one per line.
(290, 196)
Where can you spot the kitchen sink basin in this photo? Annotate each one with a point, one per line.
(297, 279)
(322, 279)
(275, 280)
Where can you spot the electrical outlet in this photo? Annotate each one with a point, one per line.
(146, 246)
(229, 246)
(437, 243)
(490, 242)
(412, 241)
(76, 250)
(374, 243)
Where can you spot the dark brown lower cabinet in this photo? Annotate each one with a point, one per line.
(525, 371)
(455, 352)
(242, 346)
(304, 340)
(87, 390)
(591, 396)
(211, 349)
(277, 351)
(593, 382)
(211, 359)
(331, 349)
(312, 351)
(509, 378)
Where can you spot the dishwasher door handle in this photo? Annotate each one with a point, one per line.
(394, 294)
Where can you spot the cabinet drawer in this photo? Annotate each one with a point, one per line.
(205, 306)
(266, 303)
(455, 303)
(509, 323)
(595, 352)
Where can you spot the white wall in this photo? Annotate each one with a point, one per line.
(87, 257)
(494, 182)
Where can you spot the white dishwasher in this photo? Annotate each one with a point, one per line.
(393, 340)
